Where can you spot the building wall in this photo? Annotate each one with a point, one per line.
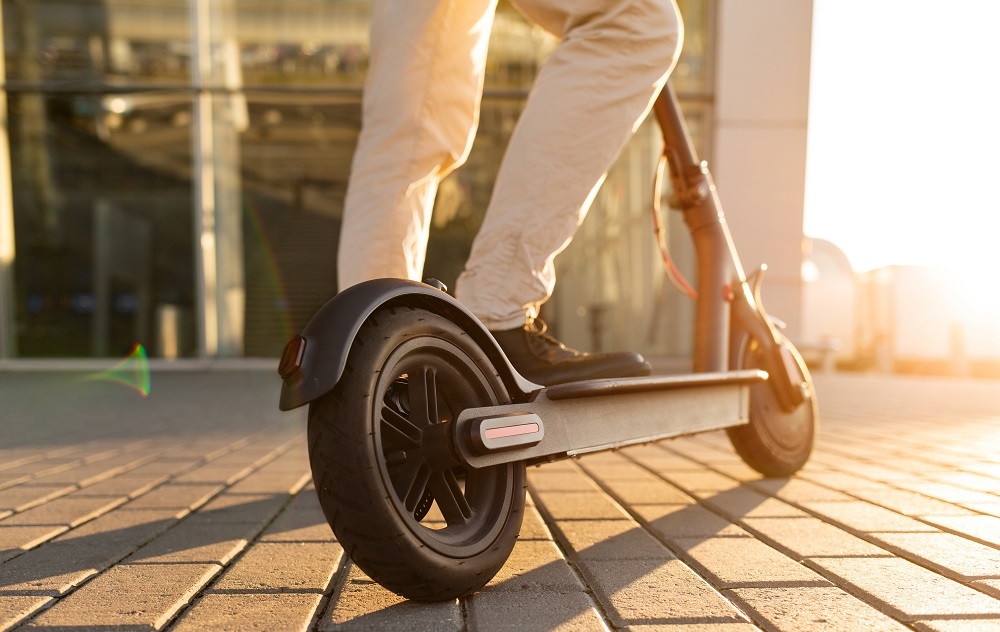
(916, 319)
(829, 300)
(762, 96)
(227, 177)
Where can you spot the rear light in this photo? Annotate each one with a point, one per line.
(291, 359)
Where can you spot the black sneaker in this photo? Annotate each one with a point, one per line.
(544, 360)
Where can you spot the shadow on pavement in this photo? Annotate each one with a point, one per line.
(212, 536)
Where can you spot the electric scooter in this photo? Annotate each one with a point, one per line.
(420, 429)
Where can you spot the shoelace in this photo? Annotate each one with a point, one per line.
(538, 328)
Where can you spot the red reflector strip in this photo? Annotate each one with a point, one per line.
(291, 359)
(511, 431)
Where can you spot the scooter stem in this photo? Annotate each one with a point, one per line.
(723, 291)
(720, 272)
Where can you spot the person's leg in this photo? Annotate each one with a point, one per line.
(588, 99)
(419, 115)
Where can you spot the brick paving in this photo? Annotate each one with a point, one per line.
(193, 509)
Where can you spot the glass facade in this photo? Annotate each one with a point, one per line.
(178, 169)
(99, 114)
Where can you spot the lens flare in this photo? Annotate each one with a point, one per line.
(133, 372)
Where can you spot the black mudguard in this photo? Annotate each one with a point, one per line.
(330, 333)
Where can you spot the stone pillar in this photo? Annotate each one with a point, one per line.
(762, 102)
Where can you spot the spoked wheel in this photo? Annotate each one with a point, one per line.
(776, 442)
(408, 517)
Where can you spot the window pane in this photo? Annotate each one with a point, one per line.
(517, 50)
(691, 75)
(102, 199)
(316, 43)
(133, 41)
(295, 156)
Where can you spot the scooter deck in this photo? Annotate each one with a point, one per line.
(573, 419)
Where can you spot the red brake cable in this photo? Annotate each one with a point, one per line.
(673, 274)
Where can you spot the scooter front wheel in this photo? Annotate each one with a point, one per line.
(775, 442)
(419, 526)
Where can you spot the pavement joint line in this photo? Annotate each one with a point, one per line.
(300, 484)
(235, 478)
(847, 453)
(56, 469)
(40, 608)
(831, 581)
(277, 452)
(58, 493)
(70, 465)
(24, 460)
(266, 591)
(337, 581)
(926, 520)
(14, 482)
(188, 468)
(709, 455)
(642, 523)
(946, 529)
(185, 601)
(891, 610)
(864, 535)
(463, 609)
(70, 526)
(968, 580)
(335, 586)
(102, 456)
(105, 509)
(227, 449)
(229, 563)
(75, 487)
(239, 476)
(552, 526)
(962, 617)
(114, 472)
(160, 623)
(681, 555)
(832, 521)
(56, 531)
(148, 487)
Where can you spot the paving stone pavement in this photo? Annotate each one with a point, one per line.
(193, 509)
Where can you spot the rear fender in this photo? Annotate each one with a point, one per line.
(314, 370)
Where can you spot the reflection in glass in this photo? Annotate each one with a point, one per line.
(102, 220)
(118, 41)
(296, 155)
(692, 73)
(105, 105)
(321, 44)
(101, 178)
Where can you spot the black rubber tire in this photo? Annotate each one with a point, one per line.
(369, 451)
(776, 442)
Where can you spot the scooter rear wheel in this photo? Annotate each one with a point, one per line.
(420, 527)
(775, 442)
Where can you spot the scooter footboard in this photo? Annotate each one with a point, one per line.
(574, 419)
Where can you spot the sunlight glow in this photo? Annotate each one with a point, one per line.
(904, 131)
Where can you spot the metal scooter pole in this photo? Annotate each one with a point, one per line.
(719, 267)
(724, 295)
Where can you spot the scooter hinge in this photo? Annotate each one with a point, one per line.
(506, 432)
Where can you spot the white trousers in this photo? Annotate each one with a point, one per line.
(419, 115)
